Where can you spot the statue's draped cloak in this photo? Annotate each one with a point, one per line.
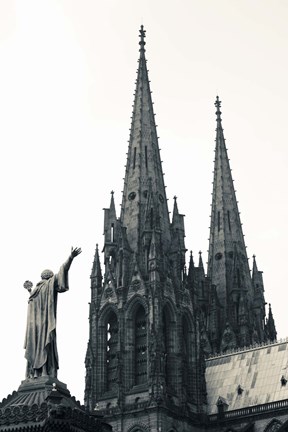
(40, 339)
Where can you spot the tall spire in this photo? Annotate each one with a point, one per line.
(143, 166)
(227, 259)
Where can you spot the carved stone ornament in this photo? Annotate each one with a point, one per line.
(169, 285)
(108, 292)
(186, 297)
(119, 290)
(135, 285)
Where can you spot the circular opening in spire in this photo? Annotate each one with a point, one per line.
(218, 256)
(132, 196)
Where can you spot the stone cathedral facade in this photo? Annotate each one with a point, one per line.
(160, 328)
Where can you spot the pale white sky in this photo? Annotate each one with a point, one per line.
(67, 74)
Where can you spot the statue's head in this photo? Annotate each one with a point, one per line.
(47, 274)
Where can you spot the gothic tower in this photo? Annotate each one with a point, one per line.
(144, 367)
(240, 303)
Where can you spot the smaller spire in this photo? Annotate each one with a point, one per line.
(191, 267)
(96, 272)
(270, 325)
(254, 268)
(175, 210)
(191, 262)
(200, 260)
(112, 205)
(142, 42)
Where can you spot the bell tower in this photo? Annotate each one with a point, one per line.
(144, 366)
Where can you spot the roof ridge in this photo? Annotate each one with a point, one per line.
(248, 348)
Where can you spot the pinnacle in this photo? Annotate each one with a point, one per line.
(175, 210)
(96, 268)
(200, 259)
(254, 263)
(191, 258)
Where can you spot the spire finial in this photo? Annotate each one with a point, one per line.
(142, 42)
(218, 106)
(200, 265)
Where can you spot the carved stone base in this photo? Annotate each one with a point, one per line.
(44, 383)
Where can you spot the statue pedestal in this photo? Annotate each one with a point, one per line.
(44, 383)
(45, 404)
(36, 390)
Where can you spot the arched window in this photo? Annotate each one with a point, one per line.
(273, 426)
(169, 336)
(189, 360)
(138, 428)
(111, 351)
(140, 346)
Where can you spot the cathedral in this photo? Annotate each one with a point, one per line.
(172, 347)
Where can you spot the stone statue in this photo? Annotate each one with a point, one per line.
(40, 340)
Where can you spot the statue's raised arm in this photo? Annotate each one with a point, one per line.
(74, 252)
(40, 340)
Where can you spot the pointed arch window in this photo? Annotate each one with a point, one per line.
(111, 367)
(112, 232)
(273, 426)
(146, 157)
(169, 342)
(189, 361)
(134, 158)
(140, 346)
(229, 221)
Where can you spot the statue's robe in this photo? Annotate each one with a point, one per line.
(40, 340)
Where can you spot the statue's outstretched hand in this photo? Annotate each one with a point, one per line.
(75, 251)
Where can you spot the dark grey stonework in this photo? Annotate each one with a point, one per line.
(144, 361)
(45, 404)
(154, 318)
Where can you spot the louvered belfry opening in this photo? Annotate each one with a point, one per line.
(140, 346)
(111, 352)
